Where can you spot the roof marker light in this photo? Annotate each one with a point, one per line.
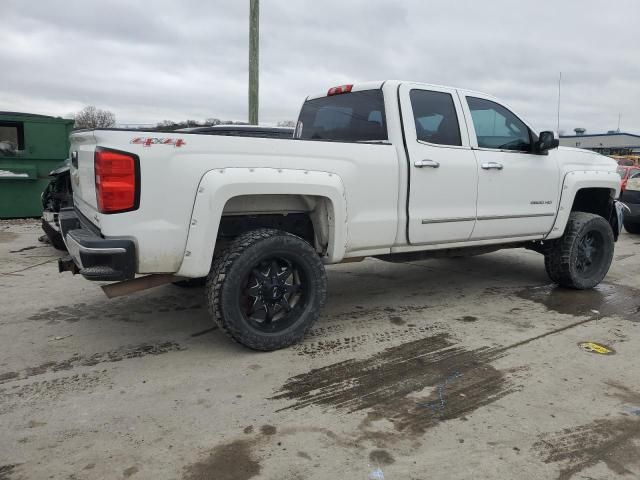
(340, 89)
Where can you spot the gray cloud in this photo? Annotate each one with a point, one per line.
(188, 59)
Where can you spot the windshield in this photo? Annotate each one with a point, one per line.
(622, 172)
(347, 117)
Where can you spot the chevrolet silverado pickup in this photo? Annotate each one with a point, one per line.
(394, 170)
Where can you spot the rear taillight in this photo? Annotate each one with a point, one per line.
(339, 90)
(117, 180)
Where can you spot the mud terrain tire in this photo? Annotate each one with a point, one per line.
(266, 289)
(581, 258)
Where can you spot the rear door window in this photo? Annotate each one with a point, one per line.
(435, 117)
(346, 117)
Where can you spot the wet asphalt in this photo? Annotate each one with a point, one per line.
(459, 368)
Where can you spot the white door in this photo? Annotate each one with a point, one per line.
(517, 189)
(443, 173)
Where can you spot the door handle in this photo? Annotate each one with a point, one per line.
(492, 166)
(426, 163)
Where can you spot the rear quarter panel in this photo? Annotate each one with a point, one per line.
(171, 176)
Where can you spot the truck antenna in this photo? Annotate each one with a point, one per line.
(559, 88)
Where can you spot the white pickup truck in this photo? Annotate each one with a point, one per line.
(395, 170)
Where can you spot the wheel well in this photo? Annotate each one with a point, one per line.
(297, 223)
(306, 216)
(598, 201)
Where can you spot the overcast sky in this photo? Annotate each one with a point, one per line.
(177, 60)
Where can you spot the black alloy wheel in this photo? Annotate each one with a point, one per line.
(273, 292)
(590, 253)
(266, 289)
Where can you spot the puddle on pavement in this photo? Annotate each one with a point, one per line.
(240, 458)
(390, 384)
(228, 461)
(613, 441)
(610, 441)
(606, 299)
(381, 457)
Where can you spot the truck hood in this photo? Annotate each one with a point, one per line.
(571, 158)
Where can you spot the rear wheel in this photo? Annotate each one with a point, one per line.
(266, 289)
(582, 256)
(632, 227)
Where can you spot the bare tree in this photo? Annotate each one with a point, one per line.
(212, 121)
(165, 125)
(92, 117)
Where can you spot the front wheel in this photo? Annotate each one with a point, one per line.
(266, 289)
(581, 258)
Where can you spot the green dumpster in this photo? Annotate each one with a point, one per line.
(30, 147)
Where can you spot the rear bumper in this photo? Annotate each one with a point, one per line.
(90, 254)
(51, 218)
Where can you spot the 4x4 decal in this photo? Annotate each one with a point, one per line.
(148, 141)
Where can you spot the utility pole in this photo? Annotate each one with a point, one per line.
(254, 44)
(619, 117)
(559, 87)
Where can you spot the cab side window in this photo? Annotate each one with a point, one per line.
(498, 128)
(435, 117)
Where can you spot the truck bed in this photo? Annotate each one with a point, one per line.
(172, 166)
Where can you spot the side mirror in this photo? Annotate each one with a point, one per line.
(546, 141)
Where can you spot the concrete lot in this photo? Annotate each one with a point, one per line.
(442, 369)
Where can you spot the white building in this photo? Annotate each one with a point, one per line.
(612, 143)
